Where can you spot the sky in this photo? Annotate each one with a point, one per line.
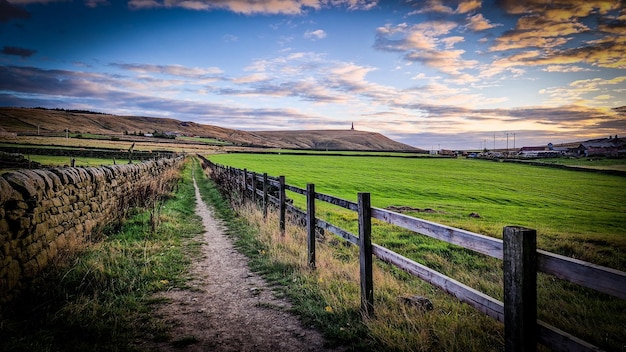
(438, 74)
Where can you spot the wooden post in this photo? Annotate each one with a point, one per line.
(310, 223)
(520, 289)
(265, 197)
(282, 207)
(245, 184)
(254, 188)
(365, 254)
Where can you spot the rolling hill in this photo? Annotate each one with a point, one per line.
(46, 122)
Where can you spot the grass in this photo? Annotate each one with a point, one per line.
(576, 214)
(210, 141)
(329, 297)
(568, 209)
(98, 298)
(59, 161)
(144, 145)
(590, 162)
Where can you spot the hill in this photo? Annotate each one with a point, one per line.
(47, 122)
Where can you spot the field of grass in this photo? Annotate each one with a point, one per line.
(59, 161)
(209, 141)
(594, 163)
(577, 214)
(144, 145)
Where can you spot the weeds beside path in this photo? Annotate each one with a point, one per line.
(228, 307)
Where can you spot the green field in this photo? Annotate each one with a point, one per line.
(51, 160)
(592, 163)
(581, 207)
(577, 214)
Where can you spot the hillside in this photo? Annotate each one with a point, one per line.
(46, 122)
(335, 139)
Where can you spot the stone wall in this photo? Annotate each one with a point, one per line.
(44, 212)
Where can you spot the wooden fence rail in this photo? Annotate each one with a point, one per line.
(518, 250)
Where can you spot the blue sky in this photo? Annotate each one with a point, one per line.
(433, 74)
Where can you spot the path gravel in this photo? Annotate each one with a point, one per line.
(230, 308)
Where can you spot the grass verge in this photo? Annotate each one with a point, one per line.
(99, 297)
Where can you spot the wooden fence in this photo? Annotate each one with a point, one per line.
(522, 259)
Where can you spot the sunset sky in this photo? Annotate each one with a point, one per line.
(432, 74)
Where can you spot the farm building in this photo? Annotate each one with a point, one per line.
(603, 147)
(548, 151)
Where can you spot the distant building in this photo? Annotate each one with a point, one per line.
(601, 147)
(352, 128)
(547, 151)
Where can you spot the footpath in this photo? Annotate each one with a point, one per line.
(228, 307)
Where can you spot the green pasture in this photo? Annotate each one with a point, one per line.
(594, 163)
(577, 214)
(350, 152)
(567, 208)
(59, 161)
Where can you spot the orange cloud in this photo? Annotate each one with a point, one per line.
(479, 23)
(250, 7)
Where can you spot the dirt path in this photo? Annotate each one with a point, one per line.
(229, 308)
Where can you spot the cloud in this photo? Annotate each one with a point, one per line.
(16, 51)
(96, 3)
(587, 90)
(446, 6)
(558, 30)
(565, 68)
(252, 7)
(174, 70)
(315, 35)
(479, 23)
(9, 11)
(427, 43)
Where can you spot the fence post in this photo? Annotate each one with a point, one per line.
(310, 223)
(245, 184)
(520, 289)
(254, 188)
(282, 207)
(365, 254)
(265, 198)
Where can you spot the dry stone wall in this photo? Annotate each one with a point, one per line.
(44, 212)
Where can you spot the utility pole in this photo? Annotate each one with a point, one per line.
(507, 143)
(514, 150)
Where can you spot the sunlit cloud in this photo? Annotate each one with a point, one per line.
(446, 7)
(479, 23)
(565, 68)
(551, 28)
(580, 90)
(426, 43)
(251, 7)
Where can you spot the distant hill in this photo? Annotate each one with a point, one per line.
(46, 121)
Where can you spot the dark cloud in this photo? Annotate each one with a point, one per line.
(16, 51)
(9, 12)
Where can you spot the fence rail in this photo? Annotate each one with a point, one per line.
(518, 251)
